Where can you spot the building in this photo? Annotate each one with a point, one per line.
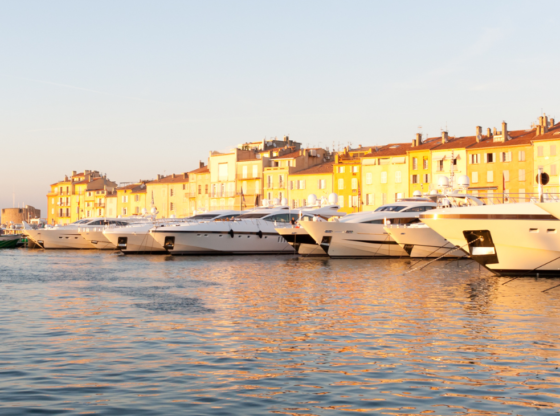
(347, 176)
(285, 164)
(420, 164)
(18, 215)
(450, 159)
(199, 189)
(317, 180)
(169, 195)
(385, 175)
(82, 195)
(501, 162)
(132, 199)
(546, 148)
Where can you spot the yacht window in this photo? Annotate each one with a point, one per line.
(278, 218)
(203, 217)
(373, 222)
(391, 208)
(419, 209)
(244, 216)
(100, 222)
(405, 220)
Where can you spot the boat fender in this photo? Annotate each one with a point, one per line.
(259, 233)
(230, 232)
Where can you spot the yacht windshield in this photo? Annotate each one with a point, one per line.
(241, 217)
(203, 217)
(393, 208)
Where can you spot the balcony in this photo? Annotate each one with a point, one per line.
(100, 205)
(223, 194)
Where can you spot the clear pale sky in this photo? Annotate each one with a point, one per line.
(136, 88)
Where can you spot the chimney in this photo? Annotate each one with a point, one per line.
(74, 172)
(551, 122)
(504, 131)
(286, 139)
(359, 146)
(495, 132)
(185, 175)
(173, 175)
(489, 132)
(545, 124)
(444, 137)
(418, 139)
(478, 134)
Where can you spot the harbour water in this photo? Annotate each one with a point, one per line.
(96, 332)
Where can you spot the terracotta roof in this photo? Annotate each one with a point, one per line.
(292, 155)
(393, 149)
(179, 178)
(315, 170)
(457, 143)
(203, 169)
(553, 134)
(427, 144)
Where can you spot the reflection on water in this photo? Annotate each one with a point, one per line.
(96, 332)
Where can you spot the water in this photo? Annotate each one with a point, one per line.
(95, 332)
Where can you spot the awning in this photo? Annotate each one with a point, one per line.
(438, 156)
(399, 159)
(369, 161)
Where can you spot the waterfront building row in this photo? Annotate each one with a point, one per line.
(504, 162)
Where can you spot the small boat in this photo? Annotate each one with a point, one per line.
(9, 240)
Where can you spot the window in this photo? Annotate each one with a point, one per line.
(414, 163)
(350, 199)
(355, 200)
(302, 184)
(124, 200)
(136, 198)
(245, 169)
(540, 151)
(490, 158)
(475, 177)
(322, 184)
(184, 186)
(281, 181)
(426, 178)
(521, 175)
(270, 196)
(205, 189)
(370, 199)
(414, 179)
(52, 211)
(171, 192)
(553, 170)
(425, 163)
(341, 183)
(521, 155)
(269, 181)
(506, 175)
(137, 210)
(258, 187)
(200, 189)
(475, 159)
(369, 178)
(244, 188)
(398, 177)
(171, 206)
(383, 177)
(552, 153)
(222, 171)
(354, 183)
(291, 186)
(280, 196)
(440, 165)
(505, 157)
(490, 176)
(354, 169)
(123, 212)
(341, 169)
(341, 202)
(255, 171)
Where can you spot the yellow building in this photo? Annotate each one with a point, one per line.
(449, 159)
(347, 173)
(80, 196)
(317, 180)
(385, 175)
(132, 200)
(287, 163)
(546, 148)
(249, 179)
(420, 164)
(199, 190)
(169, 195)
(501, 163)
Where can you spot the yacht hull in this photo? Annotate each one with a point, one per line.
(302, 242)
(134, 240)
(219, 238)
(59, 238)
(97, 239)
(508, 243)
(357, 240)
(423, 242)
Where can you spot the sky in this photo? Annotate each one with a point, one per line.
(139, 88)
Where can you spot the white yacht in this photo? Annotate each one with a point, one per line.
(516, 239)
(299, 238)
(362, 234)
(137, 239)
(94, 233)
(420, 241)
(251, 233)
(68, 236)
